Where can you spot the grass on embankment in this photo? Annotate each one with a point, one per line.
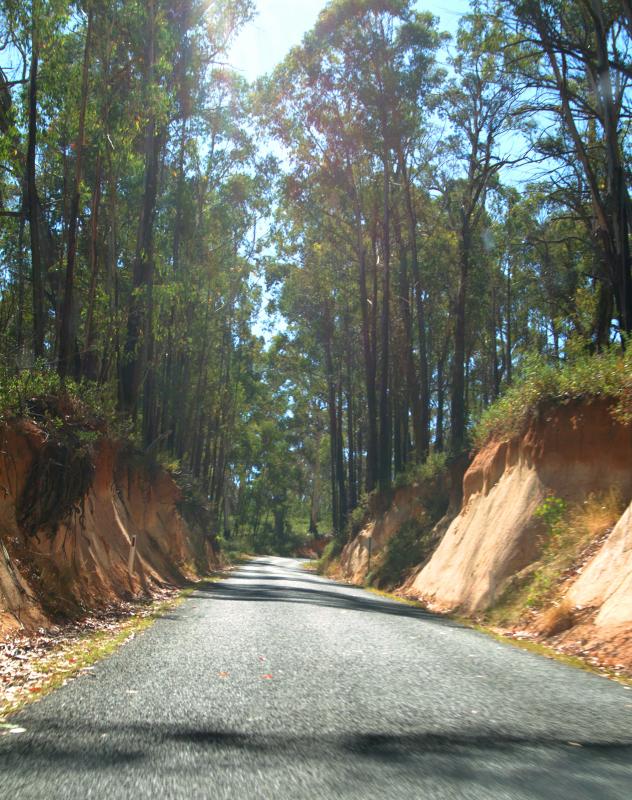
(583, 376)
(571, 533)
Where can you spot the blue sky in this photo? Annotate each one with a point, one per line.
(280, 24)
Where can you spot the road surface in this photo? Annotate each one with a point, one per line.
(278, 684)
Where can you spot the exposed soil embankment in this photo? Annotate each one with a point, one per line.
(354, 560)
(602, 597)
(397, 529)
(539, 546)
(570, 452)
(67, 523)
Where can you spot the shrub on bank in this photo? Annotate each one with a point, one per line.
(429, 470)
(41, 395)
(329, 556)
(604, 375)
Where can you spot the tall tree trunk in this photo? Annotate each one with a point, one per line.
(408, 348)
(384, 455)
(508, 339)
(350, 394)
(340, 461)
(333, 456)
(37, 266)
(494, 344)
(150, 399)
(338, 496)
(440, 433)
(177, 229)
(369, 371)
(66, 338)
(360, 462)
(457, 401)
(351, 460)
(398, 439)
(423, 444)
(617, 200)
(314, 508)
(89, 355)
(19, 333)
(138, 335)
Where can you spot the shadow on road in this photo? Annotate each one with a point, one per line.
(327, 595)
(478, 758)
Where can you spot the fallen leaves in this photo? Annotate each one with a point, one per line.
(30, 664)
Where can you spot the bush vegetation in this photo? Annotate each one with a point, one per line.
(567, 531)
(41, 395)
(408, 548)
(431, 469)
(582, 376)
(74, 416)
(330, 554)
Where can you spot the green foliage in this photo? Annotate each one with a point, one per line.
(40, 394)
(568, 529)
(552, 511)
(360, 515)
(556, 542)
(267, 539)
(193, 505)
(408, 548)
(430, 469)
(329, 556)
(605, 375)
(62, 467)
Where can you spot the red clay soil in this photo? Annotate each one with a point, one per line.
(569, 451)
(576, 448)
(81, 563)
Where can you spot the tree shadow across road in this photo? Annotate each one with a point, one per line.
(479, 759)
(249, 588)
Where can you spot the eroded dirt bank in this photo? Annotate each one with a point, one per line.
(406, 506)
(497, 551)
(68, 518)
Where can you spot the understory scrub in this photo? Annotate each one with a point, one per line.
(568, 530)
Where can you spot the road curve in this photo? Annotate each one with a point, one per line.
(277, 684)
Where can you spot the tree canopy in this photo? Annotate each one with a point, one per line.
(416, 216)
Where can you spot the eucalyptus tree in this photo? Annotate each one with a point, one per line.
(479, 104)
(346, 104)
(124, 152)
(575, 57)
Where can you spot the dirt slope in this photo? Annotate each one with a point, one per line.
(570, 451)
(602, 599)
(81, 561)
(354, 560)
(606, 583)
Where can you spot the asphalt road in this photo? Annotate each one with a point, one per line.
(278, 684)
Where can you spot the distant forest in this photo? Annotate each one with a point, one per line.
(419, 221)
